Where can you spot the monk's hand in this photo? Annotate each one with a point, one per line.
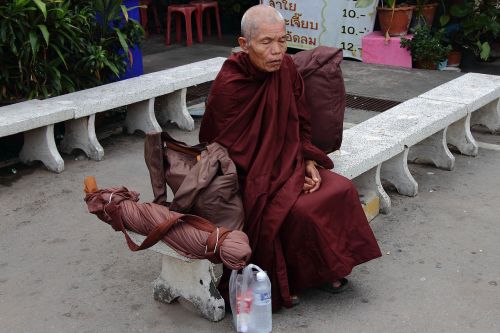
(312, 178)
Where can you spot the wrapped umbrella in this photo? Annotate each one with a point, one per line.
(189, 235)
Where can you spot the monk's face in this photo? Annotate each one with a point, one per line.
(266, 47)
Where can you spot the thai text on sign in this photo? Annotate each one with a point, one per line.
(340, 23)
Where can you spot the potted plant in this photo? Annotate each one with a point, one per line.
(426, 47)
(394, 19)
(478, 26)
(455, 39)
(424, 12)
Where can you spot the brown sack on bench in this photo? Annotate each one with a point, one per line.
(325, 94)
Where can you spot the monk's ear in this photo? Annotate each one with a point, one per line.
(243, 44)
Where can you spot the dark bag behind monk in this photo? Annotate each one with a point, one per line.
(325, 94)
(203, 179)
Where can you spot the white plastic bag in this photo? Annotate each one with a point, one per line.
(241, 296)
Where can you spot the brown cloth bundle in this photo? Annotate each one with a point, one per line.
(189, 235)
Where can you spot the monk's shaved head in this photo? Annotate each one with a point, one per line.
(256, 16)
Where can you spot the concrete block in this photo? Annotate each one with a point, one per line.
(172, 107)
(376, 50)
(80, 134)
(194, 280)
(488, 116)
(433, 150)
(141, 116)
(458, 134)
(39, 145)
(395, 170)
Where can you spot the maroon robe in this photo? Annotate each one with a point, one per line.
(301, 240)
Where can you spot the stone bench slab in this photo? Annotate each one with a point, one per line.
(25, 116)
(382, 137)
(144, 87)
(473, 89)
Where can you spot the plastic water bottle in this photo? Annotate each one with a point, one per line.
(261, 315)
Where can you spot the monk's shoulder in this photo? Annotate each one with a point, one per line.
(231, 78)
(288, 64)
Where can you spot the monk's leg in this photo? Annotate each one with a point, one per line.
(326, 234)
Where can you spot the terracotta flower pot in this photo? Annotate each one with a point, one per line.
(454, 58)
(425, 64)
(395, 22)
(426, 15)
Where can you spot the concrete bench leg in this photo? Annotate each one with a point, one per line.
(396, 171)
(194, 281)
(40, 145)
(141, 116)
(459, 135)
(80, 134)
(370, 182)
(433, 150)
(173, 108)
(488, 115)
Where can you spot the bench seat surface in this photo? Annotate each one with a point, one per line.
(144, 87)
(25, 116)
(382, 137)
(473, 89)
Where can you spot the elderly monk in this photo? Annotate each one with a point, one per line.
(305, 223)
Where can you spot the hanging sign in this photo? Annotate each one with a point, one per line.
(336, 23)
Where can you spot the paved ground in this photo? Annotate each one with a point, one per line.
(63, 270)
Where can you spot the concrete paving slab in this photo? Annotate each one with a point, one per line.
(392, 83)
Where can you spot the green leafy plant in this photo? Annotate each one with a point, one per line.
(426, 46)
(479, 25)
(53, 47)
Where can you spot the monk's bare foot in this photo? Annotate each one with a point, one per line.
(336, 286)
(295, 300)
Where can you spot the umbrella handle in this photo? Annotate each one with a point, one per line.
(90, 185)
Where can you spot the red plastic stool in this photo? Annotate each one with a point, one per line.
(201, 5)
(187, 11)
(144, 15)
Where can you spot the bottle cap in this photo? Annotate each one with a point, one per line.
(261, 276)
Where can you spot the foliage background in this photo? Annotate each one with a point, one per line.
(54, 47)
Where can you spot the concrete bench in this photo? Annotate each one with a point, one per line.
(139, 95)
(78, 110)
(418, 130)
(36, 120)
(194, 280)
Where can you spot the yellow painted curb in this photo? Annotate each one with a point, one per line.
(371, 205)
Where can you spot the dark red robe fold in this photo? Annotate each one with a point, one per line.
(301, 240)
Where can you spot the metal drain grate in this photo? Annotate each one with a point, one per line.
(369, 103)
(197, 94)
